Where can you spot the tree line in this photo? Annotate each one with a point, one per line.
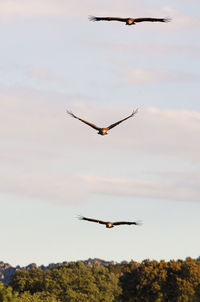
(148, 281)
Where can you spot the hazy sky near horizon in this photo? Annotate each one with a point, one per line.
(54, 168)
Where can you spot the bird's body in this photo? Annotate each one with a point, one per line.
(103, 131)
(129, 21)
(110, 224)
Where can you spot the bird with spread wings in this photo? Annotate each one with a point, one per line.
(103, 131)
(110, 224)
(129, 21)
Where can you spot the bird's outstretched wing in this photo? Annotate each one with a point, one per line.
(89, 124)
(93, 18)
(137, 20)
(127, 222)
(117, 123)
(92, 220)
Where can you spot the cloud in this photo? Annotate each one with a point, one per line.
(59, 8)
(30, 9)
(160, 49)
(46, 154)
(33, 75)
(63, 8)
(161, 189)
(180, 20)
(40, 119)
(142, 76)
(45, 75)
(167, 133)
(172, 132)
(42, 184)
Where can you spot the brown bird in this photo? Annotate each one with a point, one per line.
(129, 21)
(102, 131)
(109, 224)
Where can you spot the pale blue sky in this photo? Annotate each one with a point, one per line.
(54, 168)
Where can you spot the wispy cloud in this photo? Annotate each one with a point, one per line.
(162, 189)
(179, 19)
(17, 74)
(36, 118)
(30, 9)
(42, 183)
(38, 8)
(172, 132)
(45, 75)
(142, 76)
(40, 145)
(60, 8)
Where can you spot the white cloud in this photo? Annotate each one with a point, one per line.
(42, 184)
(47, 154)
(38, 8)
(142, 76)
(66, 8)
(172, 132)
(35, 75)
(139, 76)
(179, 20)
(45, 75)
(29, 9)
(162, 189)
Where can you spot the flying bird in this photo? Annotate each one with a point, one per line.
(129, 21)
(102, 131)
(110, 224)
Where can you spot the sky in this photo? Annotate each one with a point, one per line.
(54, 168)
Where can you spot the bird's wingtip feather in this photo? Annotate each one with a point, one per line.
(139, 222)
(167, 19)
(135, 111)
(92, 18)
(71, 113)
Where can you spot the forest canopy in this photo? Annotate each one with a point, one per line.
(148, 281)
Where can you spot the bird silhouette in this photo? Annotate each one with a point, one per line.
(110, 224)
(129, 21)
(103, 131)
